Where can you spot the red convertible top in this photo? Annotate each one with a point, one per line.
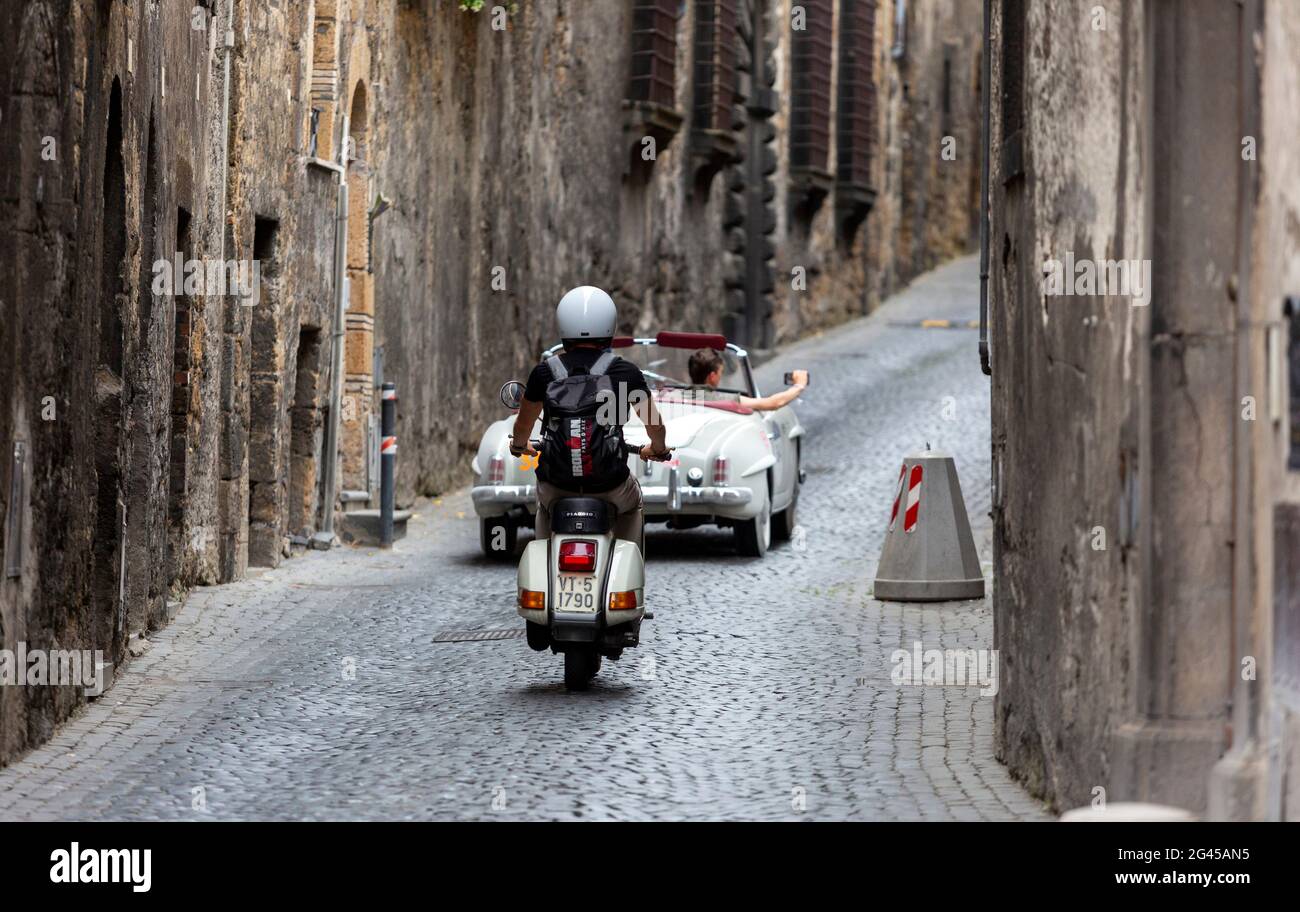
(715, 341)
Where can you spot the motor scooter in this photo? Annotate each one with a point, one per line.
(581, 592)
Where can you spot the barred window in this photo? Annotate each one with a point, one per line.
(654, 52)
(857, 92)
(715, 64)
(810, 102)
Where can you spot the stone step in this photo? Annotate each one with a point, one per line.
(352, 501)
(361, 527)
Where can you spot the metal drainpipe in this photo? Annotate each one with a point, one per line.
(326, 534)
(986, 94)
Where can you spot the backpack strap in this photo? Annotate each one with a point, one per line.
(602, 364)
(558, 370)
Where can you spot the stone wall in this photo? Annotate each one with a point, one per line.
(106, 105)
(1134, 482)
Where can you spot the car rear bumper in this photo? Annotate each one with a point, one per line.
(504, 495)
(652, 495)
(711, 496)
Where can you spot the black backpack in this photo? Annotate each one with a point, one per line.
(578, 452)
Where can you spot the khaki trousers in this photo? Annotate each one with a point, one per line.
(626, 499)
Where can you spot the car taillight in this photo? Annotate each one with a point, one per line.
(496, 472)
(532, 601)
(578, 556)
(720, 470)
(622, 601)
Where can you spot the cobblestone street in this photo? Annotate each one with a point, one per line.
(761, 690)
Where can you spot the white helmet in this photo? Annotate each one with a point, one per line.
(586, 313)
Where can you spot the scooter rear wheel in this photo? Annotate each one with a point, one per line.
(579, 668)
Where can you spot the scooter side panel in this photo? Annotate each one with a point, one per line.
(534, 574)
(626, 574)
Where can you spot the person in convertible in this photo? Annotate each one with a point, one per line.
(583, 454)
(706, 367)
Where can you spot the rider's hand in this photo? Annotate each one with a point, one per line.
(800, 377)
(650, 455)
(526, 450)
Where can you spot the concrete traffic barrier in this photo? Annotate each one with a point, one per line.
(929, 553)
(1128, 812)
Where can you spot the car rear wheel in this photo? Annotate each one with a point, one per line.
(497, 536)
(783, 523)
(754, 536)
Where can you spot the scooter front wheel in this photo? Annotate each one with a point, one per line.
(579, 668)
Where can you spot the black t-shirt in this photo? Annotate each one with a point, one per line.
(622, 372)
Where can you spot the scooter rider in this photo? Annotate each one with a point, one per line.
(586, 318)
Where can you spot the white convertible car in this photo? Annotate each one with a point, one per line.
(731, 466)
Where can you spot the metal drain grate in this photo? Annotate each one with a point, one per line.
(479, 636)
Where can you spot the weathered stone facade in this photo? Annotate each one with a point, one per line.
(492, 160)
(108, 109)
(1146, 546)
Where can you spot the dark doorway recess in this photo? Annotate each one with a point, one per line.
(265, 484)
(305, 439)
(106, 578)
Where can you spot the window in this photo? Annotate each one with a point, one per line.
(810, 89)
(715, 64)
(855, 115)
(654, 52)
(857, 92)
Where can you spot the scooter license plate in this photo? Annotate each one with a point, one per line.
(576, 592)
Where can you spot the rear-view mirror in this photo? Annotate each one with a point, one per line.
(512, 394)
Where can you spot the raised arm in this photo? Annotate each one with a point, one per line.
(779, 400)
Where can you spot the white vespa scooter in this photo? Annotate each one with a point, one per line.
(582, 592)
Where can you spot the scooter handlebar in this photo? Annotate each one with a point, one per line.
(629, 449)
(636, 451)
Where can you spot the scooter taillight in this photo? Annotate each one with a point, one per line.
(496, 473)
(578, 556)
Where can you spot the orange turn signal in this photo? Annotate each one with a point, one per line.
(532, 601)
(622, 601)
